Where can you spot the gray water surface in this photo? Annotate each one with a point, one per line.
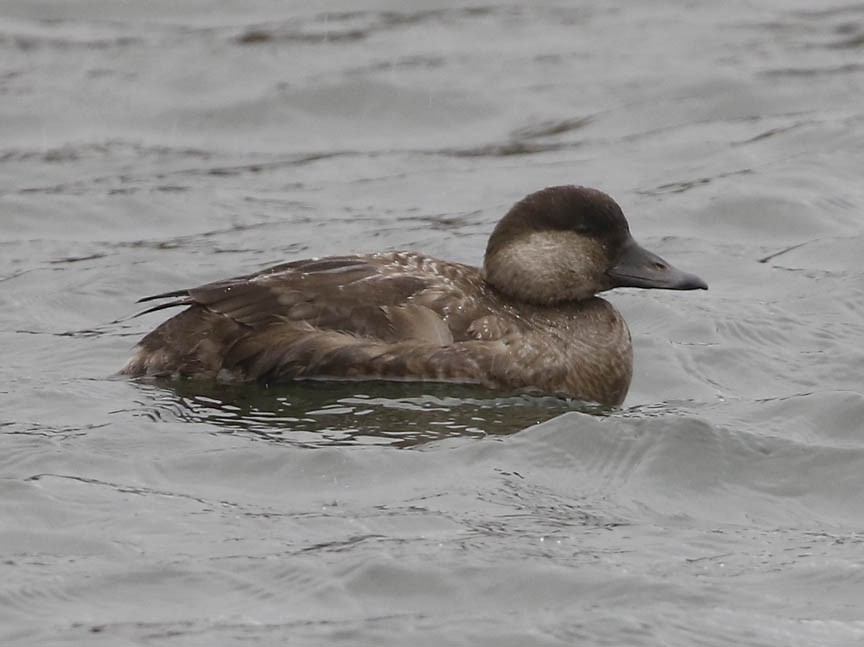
(152, 146)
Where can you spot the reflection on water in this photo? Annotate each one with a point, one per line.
(317, 413)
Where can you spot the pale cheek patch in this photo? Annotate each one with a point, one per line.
(549, 267)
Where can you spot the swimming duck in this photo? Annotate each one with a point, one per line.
(528, 320)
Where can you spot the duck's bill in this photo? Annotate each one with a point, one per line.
(639, 268)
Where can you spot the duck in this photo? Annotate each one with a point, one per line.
(528, 320)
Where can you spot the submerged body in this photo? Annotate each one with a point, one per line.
(528, 320)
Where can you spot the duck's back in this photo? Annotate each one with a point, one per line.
(330, 317)
(388, 316)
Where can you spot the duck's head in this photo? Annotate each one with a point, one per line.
(567, 243)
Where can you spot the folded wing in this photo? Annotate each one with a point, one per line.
(394, 315)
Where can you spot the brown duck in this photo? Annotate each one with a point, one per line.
(528, 320)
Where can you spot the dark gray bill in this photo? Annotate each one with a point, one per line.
(639, 268)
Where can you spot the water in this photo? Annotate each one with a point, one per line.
(151, 146)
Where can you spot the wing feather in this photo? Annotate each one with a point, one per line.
(304, 317)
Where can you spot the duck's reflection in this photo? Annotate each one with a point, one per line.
(319, 413)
